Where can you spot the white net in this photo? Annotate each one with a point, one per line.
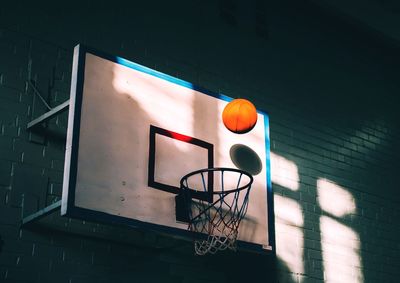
(215, 216)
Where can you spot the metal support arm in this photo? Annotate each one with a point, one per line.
(52, 111)
(48, 115)
(41, 213)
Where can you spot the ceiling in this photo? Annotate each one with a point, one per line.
(381, 17)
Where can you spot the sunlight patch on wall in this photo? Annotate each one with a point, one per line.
(290, 238)
(334, 199)
(284, 172)
(340, 244)
(340, 251)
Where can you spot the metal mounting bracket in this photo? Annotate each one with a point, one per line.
(50, 219)
(49, 114)
(41, 213)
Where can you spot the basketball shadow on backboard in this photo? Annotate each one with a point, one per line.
(245, 159)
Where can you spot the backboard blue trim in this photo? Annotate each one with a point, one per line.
(152, 72)
(270, 195)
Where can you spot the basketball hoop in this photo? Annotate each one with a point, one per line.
(216, 200)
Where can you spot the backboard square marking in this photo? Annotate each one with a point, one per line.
(152, 174)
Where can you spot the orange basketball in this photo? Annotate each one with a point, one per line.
(239, 116)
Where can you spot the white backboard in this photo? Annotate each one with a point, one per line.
(134, 132)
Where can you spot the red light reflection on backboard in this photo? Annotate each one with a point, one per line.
(180, 137)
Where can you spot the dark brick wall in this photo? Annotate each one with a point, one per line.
(329, 87)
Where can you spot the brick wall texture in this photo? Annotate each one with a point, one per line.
(328, 84)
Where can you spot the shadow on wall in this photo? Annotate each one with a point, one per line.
(249, 267)
(283, 273)
(1, 243)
